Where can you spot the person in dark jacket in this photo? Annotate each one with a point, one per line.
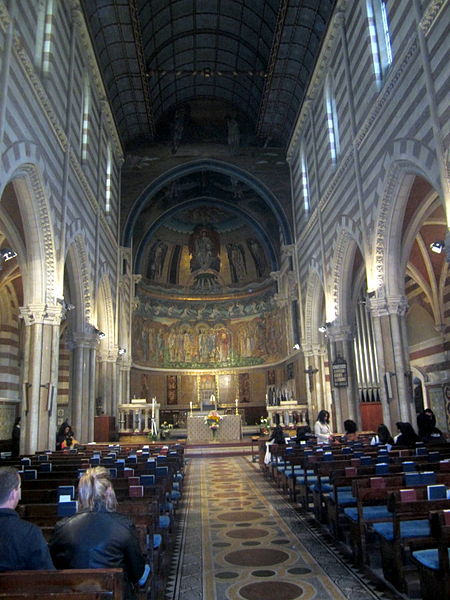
(98, 537)
(407, 436)
(426, 423)
(15, 436)
(22, 545)
(277, 435)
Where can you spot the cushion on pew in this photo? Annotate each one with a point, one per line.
(369, 512)
(164, 521)
(346, 498)
(408, 529)
(429, 558)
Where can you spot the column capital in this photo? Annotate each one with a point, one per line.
(340, 333)
(391, 305)
(288, 249)
(42, 314)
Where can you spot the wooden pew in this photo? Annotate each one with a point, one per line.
(433, 563)
(69, 584)
(409, 525)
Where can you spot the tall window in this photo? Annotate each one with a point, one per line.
(86, 101)
(44, 34)
(108, 179)
(332, 119)
(380, 39)
(304, 180)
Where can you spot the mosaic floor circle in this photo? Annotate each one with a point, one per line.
(257, 557)
(267, 590)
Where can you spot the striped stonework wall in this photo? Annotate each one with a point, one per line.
(377, 125)
(63, 375)
(9, 362)
(45, 109)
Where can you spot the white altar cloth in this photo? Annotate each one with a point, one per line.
(230, 429)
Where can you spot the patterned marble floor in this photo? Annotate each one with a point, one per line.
(240, 540)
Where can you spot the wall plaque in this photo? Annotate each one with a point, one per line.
(339, 369)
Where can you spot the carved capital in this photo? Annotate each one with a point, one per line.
(42, 314)
(288, 249)
(340, 333)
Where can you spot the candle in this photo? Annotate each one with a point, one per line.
(153, 408)
(190, 405)
(237, 402)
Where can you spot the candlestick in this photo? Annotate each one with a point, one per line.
(190, 407)
(237, 402)
(153, 408)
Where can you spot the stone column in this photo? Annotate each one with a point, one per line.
(40, 376)
(346, 398)
(83, 386)
(392, 352)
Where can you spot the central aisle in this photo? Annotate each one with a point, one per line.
(240, 540)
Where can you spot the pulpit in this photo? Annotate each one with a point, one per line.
(104, 428)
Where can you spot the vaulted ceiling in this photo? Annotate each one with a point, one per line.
(253, 56)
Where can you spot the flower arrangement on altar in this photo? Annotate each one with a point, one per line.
(264, 427)
(213, 419)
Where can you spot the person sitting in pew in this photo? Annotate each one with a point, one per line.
(383, 437)
(98, 536)
(22, 545)
(350, 431)
(407, 436)
(69, 440)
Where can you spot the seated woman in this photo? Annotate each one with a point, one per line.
(407, 436)
(302, 433)
(350, 434)
(277, 435)
(383, 437)
(98, 537)
(428, 432)
(322, 429)
(69, 440)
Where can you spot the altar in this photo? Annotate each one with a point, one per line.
(230, 429)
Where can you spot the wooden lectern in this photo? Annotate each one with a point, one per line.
(104, 428)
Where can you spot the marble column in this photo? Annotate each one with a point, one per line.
(83, 386)
(40, 376)
(392, 354)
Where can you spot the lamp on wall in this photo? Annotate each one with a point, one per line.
(437, 246)
(99, 333)
(296, 346)
(6, 254)
(122, 351)
(66, 306)
(324, 328)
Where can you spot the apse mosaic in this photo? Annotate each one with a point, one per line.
(207, 344)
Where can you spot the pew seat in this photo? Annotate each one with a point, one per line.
(73, 584)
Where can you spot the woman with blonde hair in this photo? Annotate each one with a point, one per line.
(98, 537)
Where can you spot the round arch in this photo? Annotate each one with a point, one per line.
(207, 165)
(215, 202)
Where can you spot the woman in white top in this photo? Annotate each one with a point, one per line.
(322, 429)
